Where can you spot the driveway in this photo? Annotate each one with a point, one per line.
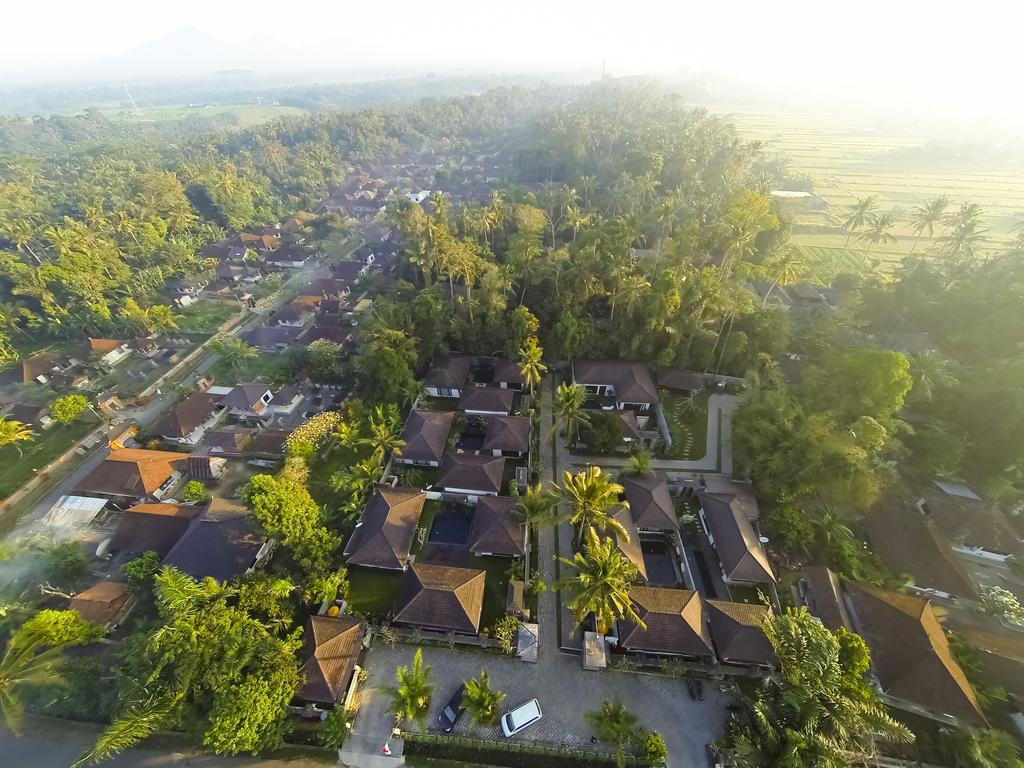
(565, 692)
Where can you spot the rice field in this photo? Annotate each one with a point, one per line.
(900, 166)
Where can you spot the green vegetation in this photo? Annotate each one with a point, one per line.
(36, 454)
(482, 702)
(237, 115)
(70, 408)
(373, 591)
(410, 698)
(207, 316)
(687, 419)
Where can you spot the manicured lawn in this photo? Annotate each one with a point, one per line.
(16, 470)
(226, 375)
(687, 425)
(207, 316)
(495, 588)
(373, 592)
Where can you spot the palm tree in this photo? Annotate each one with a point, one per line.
(858, 214)
(928, 369)
(537, 507)
(530, 362)
(630, 291)
(383, 437)
(569, 408)
(591, 493)
(233, 350)
(482, 701)
(878, 232)
(25, 664)
(13, 432)
(347, 433)
(640, 463)
(602, 583)
(786, 268)
(925, 216)
(410, 698)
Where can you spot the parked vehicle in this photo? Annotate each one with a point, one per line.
(521, 717)
(452, 711)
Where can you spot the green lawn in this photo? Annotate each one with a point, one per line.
(495, 588)
(686, 424)
(16, 470)
(373, 592)
(207, 316)
(226, 375)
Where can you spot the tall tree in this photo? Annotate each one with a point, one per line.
(13, 432)
(858, 214)
(410, 698)
(530, 363)
(925, 216)
(569, 399)
(601, 584)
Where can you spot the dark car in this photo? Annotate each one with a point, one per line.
(452, 711)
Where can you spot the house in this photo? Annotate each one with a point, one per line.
(347, 271)
(44, 368)
(507, 374)
(442, 598)
(73, 514)
(285, 401)
(385, 532)
(330, 652)
(507, 436)
(248, 401)
(447, 375)
(327, 288)
(132, 475)
(187, 290)
(233, 274)
(150, 528)
(263, 242)
(650, 503)
(223, 252)
(497, 528)
(426, 436)
(272, 339)
(676, 624)
(105, 352)
(737, 633)
(486, 401)
(628, 385)
(365, 255)
(105, 603)
(297, 314)
(739, 549)
(471, 476)
(287, 257)
(269, 443)
(629, 427)
(686, 382)
(973, 527)
(911, 661)
(221, 544)
(188, 421)
(229, 441)
(34, 415)
(206, 468)
(629, 546)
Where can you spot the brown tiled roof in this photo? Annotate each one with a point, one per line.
(822, 592)
(386, 529)
(910, 543)
(132, 472)
(630, 427)
(473, 473)
(497, 527)
(507, 371)
(448, 371)
(245, 396)
(102, 602)
(221, 544)
(742, 556)
(675, 620)
(152, 527)
(101, 346)
(632, 381)
(738, 634)
(489, 399)
(972, 522)
(630, 548)
(910, 654)
(688, 381)
(426, 434)
(271, 336)
(41, 363)
(650, 502)
(167, 510)
(442, 597)
(269, 441)
(330, 651)
(507, 433)
(227, 440)
(346, 271)
(186, 415)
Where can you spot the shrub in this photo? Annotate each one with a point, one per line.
(194, 491)
(139, 571)
(506, 632)
(653, 748)
(335, 726)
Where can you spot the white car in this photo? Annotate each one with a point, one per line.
(521, 717)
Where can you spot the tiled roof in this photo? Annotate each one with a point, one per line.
(632, 381)
(221, 544)
(487, 399)
(650, 502)
(265, 336)
(630, 427)
(102, 602)
(245, 397)
(472, 473)
(132, 472)
(442, 597)
(270, 441)
(330, 651)
(630, 548)
(152, 528)
(507, 371)
(386, 529)
(448, 371)
(971, 521)
(183, 418)
(497, 527)
(742, 556)
(822, 593)
(675, 620)
(227, 440)
(738, 634)
(426, 434)
(507, 433)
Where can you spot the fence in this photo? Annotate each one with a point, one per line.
(510, 754)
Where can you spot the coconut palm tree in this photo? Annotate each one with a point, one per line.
(233, 350)
(857, 214)
(383, 437)
(569, 399)
(928, 369)
(590, 494)
(640, 463)
(482, 701)
(410, 698)
(630, 291)
(537, 507)
(529, 362)
(601, 584)
(786, 268)
(925, 216)
(878, 232)
(13, 432)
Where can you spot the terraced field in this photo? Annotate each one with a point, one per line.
(847, 161)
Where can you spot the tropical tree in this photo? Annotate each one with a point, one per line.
(410, 698)
(925, 216)
(569, 399)
(785, 269)
(482, 701)
(13, 432)
(640, 463)
(981, 748)
(530, 362)
(615, 725)
(878, 232)
(536, 506)
(591, 493)
(233, 350)
(601, 586)
(69, 408)
(383, 438)
(857, 214)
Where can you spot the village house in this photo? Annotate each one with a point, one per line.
(221, 543)
(623, 385)
(104, 352)
(330, 655)
(248, 401)
(272, 339)
(471, 476)
(106, 603)
(189, 420)
(384, 535)
(727, 525)
(426, 437)
(441, 598)
(497, 528)
(447, 375)
(480, 400)
(132, 475)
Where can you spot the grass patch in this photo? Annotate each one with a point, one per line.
(265, 366)
(373, 592)
(207, 316)
(238, 115)
(340, 457)
(687, 424)
(17, 470)
(495, 587)
(430, 510)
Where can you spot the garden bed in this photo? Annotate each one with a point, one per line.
(687, 423)
(511, 754)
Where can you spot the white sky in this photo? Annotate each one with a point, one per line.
(966, 53)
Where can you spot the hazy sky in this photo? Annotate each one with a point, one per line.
(968, 52)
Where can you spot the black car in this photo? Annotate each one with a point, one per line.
(452, 711)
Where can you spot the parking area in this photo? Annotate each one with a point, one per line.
(565, 692)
